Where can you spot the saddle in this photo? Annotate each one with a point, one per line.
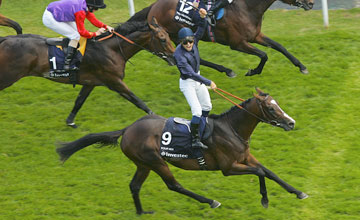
(176, 139)
(57, 49)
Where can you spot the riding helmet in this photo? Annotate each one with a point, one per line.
(96, 3)
(185, 32)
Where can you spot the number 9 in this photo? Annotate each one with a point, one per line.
(166, 138)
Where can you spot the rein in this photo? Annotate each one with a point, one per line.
(129, 41)
(240, 107)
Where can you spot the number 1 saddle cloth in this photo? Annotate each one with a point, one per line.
(176, 138)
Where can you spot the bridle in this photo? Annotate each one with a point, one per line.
(265, 118)
(266, 114)
(157, 53)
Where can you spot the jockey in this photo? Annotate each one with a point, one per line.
(67, 17)
(192, 84)
(217, 5)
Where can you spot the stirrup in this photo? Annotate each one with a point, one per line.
(199, 144)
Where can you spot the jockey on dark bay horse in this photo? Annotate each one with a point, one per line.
(67, 17)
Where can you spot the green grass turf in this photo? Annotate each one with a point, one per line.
(320, 157)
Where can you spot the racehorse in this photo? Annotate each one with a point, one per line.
(229, 149)
(103, 63)
(4, 21)
(240, 26)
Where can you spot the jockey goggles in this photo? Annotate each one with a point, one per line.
(187, 40)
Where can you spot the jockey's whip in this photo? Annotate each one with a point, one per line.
(227, 93)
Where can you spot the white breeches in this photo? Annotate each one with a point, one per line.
(197, 95)
(67, 29)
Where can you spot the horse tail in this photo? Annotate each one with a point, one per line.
(65, 150)
(4, 21)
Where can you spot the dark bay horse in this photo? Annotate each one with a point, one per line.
(229, 149)
(240, 26)
(103, 63)
(4, 21)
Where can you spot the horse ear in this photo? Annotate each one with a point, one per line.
(153, 23)
(258, 96)
(259, 90)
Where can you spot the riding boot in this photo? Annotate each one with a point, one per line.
(195, 139)
(71, 51)
(216, 6)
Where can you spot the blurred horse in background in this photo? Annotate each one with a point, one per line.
(240, 26)
(103, 63)
(4, 21)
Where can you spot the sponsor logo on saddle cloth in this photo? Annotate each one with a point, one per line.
(57, 58)
(176, 138)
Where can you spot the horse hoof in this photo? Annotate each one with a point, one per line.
(215, 204)
(231, 74)
(251, 73)
(302, 196)
(304, 71)
(73, 125)
(151, 113)
(142, 212)
(265, 203)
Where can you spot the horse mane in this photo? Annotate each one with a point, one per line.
(233, 108)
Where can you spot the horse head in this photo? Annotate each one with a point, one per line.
(161, 43)
(305, 4)
(271, 112)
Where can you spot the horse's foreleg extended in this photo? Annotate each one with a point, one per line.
(269, 174)
(241, 169)
(249, 49)
(219, 68)
(166, 175)
(265, 41)
(84, 93)
(135, 186)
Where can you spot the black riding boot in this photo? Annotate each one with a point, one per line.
(216, 6)
(195, 139)
(71, 51)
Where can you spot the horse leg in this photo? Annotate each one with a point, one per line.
(164, 172)
(265, 41)
(135, 186)
(241, 169)
(252, 161)
(125, 92)
(219, 68)
(84, 93)
(269, 174)
(263, 192)
(249, 49)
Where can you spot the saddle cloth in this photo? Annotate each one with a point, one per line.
(176, 138)
(185, 14)
(57, 48)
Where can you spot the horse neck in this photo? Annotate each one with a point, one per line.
(141, 39)
(241, 121)
(259, 5)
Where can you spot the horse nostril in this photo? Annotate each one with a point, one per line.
(291, 124)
